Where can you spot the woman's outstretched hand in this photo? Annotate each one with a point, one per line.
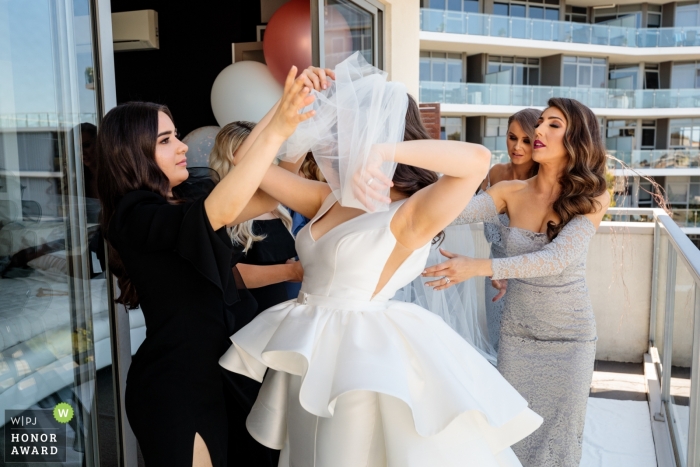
(317, 78)
(295, 98)
(456, 269)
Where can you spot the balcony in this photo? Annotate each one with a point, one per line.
(475, 99)
(643, 275)
(478, 24)
(550, 36)
(655, 162)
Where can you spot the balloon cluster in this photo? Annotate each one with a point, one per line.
(246, 90)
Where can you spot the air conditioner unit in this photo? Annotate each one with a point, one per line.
(135, 30)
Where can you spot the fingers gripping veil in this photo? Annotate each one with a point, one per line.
(359, 111)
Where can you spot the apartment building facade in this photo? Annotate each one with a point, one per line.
(637, 65)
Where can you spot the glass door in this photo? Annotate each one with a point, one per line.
(343, 27)
(54, 313)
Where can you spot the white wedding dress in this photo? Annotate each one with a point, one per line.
(362, 381)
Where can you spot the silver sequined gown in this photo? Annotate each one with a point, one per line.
(548, 334)
(494, 310)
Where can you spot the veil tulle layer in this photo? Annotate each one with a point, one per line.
(358, 110)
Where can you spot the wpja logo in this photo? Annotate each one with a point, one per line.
(37, 435)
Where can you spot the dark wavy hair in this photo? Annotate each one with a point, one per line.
(584, 177)
(408, 179)
(527, 118)
(126, 161)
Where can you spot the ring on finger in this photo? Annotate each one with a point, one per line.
(370, 181)
(447, 280)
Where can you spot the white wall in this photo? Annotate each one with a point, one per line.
(618, 276)
(402, 42)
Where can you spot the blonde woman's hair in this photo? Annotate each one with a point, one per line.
(227, 142)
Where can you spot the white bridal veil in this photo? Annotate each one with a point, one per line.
(459, 304)
(358, 110)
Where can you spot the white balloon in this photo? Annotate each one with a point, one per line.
(199, 143)
(244, 91)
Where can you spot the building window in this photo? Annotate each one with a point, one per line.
(629, 16)
(687, 14)
(513, 70)
(359, 20)
(651, 76)
(648, 134)
(653, 16)
(685, 75)
(623, 76)
(467, 6)
(531, 9)
(685, 133)
(576, 14)
(495, 135)
(584, 72)
(451, 128)
(441, 67)
(620, 135)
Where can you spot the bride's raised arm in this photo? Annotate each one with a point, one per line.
(282, 182)
(427, 212)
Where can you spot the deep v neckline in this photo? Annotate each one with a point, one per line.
(319, 217)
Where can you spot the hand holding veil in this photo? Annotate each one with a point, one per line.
(358, 121)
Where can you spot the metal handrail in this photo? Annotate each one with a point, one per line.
(679, 247)
(540, 29)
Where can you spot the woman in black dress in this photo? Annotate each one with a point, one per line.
(174, 259)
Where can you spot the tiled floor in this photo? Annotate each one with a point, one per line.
(619, 381)
(618, 426)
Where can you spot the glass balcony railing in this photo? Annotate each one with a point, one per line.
(656, 159)
(537, 96)
(556, 31)
(44, 120)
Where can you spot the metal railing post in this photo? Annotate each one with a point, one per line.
(654, 283)
(693, 423)
(668, 323)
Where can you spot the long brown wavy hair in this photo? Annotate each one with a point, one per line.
(126, 161)
(527, 119)
(584, 177)
(408, 179)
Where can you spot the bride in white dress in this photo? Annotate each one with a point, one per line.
(354, 378)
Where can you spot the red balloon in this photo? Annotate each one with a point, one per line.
(287, 39)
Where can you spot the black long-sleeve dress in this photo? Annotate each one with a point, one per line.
(182, 271)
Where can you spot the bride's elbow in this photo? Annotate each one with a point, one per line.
(482, 159)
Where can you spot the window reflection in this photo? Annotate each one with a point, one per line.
(348, 28)
(54, 320)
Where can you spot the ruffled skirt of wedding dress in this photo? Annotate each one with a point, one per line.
(436, 399)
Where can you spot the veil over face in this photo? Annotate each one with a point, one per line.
(358, 110)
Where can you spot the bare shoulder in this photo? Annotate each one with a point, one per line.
(498, 173)
(503, 193)
(508, 187)
(604, 200)
(596, 216)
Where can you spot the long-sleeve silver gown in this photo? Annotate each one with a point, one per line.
(548, 334)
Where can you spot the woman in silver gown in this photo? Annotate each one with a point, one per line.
(521, 130)
(548, 335)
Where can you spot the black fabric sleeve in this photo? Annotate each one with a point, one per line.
(146, 222)
(207, 250)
